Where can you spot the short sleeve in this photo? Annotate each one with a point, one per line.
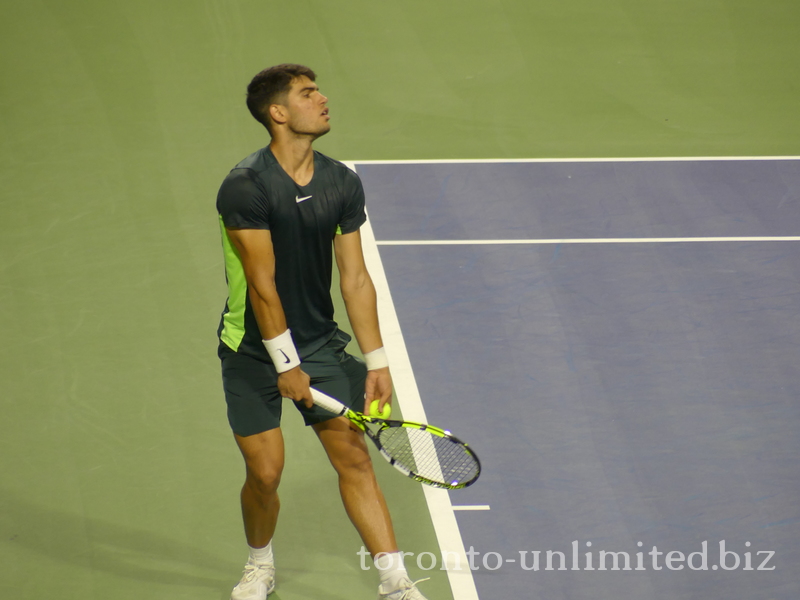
(353, 213)
(241, 202)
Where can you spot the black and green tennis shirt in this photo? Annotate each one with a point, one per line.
(303, 220)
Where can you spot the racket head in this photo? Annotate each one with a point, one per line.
(425, 453)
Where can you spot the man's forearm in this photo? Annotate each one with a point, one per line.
(268, 311)
(362, 310)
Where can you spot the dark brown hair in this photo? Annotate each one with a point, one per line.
(269, 85)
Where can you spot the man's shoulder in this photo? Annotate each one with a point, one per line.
(260, 161)
(247, 181)
(256, 172)
(333, 168)
(338, 167)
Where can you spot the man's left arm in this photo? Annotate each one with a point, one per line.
(360, 301)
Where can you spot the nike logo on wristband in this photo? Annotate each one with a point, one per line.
(299, 199)
(287, 361)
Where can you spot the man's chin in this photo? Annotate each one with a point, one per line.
(317, 133)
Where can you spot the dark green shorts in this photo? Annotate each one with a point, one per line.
(251, 386)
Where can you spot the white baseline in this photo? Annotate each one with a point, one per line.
(588, 241)
(440, 161)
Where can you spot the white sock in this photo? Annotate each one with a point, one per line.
(391, 569)
(262, 556)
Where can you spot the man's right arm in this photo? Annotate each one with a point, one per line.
(258, 261)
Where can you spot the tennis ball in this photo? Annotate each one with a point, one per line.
(374, 412)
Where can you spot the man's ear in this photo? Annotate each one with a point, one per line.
(278, 113)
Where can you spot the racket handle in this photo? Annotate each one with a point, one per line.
(328, 403)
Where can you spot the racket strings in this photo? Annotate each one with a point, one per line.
(436, 458)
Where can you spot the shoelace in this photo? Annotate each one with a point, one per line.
(413, 588)
(251, 571)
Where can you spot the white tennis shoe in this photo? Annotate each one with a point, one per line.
(257, 582)
(407, 591)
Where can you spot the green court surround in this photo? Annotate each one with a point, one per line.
(119, 120)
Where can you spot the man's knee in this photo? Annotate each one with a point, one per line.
(263, 456)
(264, 480)
(354, 461)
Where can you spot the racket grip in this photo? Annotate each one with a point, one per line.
(328, 403)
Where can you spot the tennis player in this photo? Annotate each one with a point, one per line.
(285, 211)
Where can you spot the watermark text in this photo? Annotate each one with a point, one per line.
(584, 557)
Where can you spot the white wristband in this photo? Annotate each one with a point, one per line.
(282, 352)
(376, 359)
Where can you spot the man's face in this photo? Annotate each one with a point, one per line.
(307, 109)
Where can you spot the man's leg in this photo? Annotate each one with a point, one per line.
(366, 506)
(361, 495)
(263, 456)
(343, 376)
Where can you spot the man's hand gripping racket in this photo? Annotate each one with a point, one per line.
(425, 453)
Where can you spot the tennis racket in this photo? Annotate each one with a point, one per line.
(422, 452)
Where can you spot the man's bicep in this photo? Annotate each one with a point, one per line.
(349, 255)
(255, 249)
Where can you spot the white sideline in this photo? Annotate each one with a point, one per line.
(444, 521)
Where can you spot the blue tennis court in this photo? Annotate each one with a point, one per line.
(634, 403)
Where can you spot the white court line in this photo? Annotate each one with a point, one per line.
(471, 507)
(440, 161)
(441, 510)
(587, 241)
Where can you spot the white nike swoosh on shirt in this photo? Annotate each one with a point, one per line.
(299, 199)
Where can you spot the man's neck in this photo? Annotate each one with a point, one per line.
(296, 157)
